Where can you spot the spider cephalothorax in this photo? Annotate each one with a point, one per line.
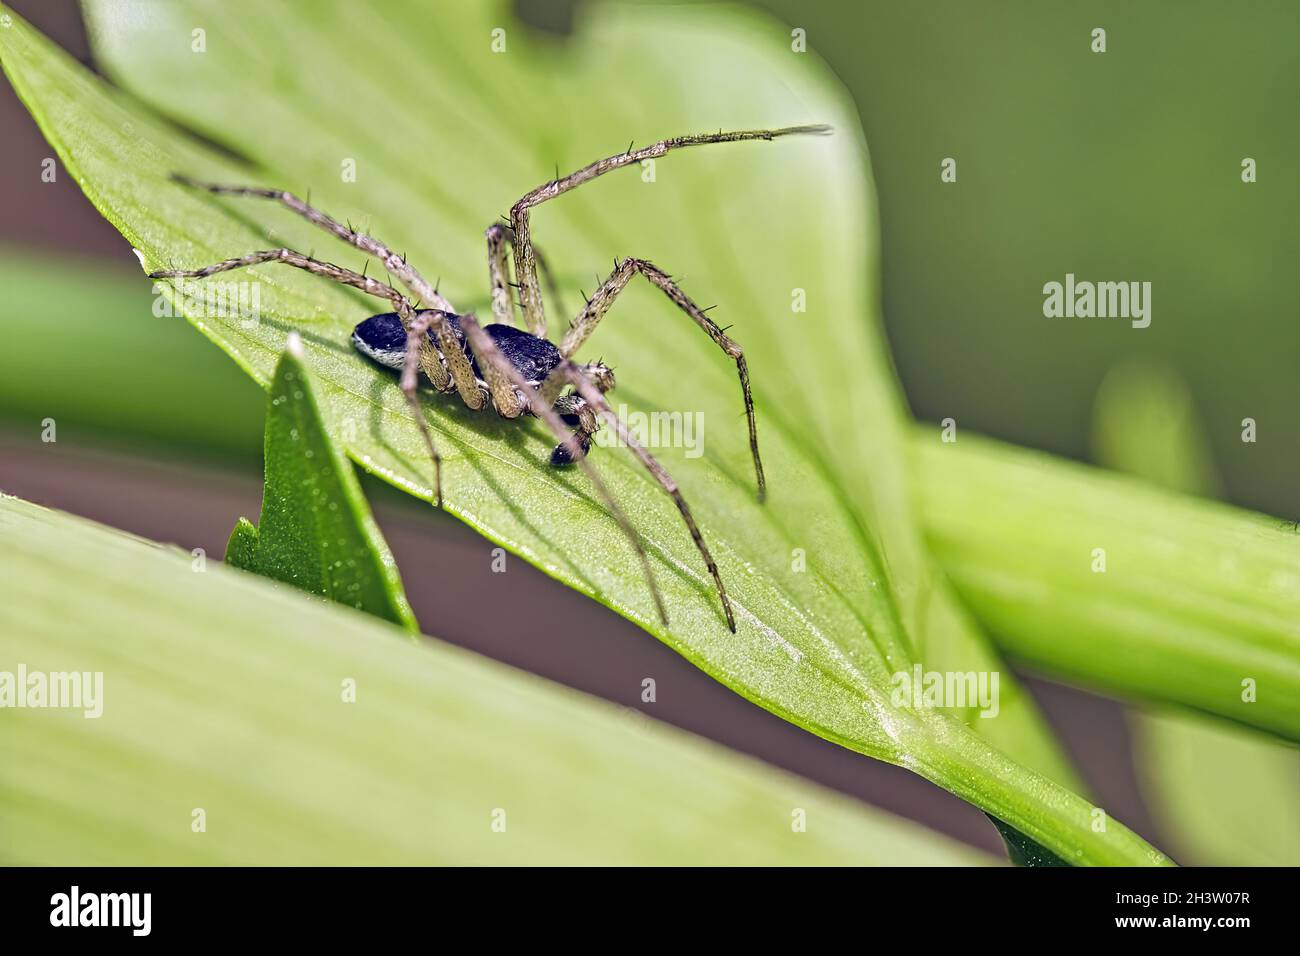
(515, 371)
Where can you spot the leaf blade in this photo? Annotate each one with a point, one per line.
(408, 774)
(315, 531)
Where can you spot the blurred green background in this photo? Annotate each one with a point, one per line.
(1123, 165)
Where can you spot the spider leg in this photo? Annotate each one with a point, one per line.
(417, 339)
(552, 287)
(496, 369)
(530, 297)
(419, 350)
(601, 300)
(291, 258)
(596, 399)
(503, 298)
(488, 355)
(395, 264)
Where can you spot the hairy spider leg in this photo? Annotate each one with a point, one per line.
(499, 236)
(530, 296)
(503, 301)
(601, 300)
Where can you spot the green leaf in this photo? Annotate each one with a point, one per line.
(1197, 596)
(240, 711)
(449, 137)
(316, 531)
(1226, 795)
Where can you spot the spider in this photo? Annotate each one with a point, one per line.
(515, 371)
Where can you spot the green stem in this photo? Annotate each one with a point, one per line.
(1077, 831)
(1198, 602)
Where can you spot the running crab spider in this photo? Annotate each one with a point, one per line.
(515, 371)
